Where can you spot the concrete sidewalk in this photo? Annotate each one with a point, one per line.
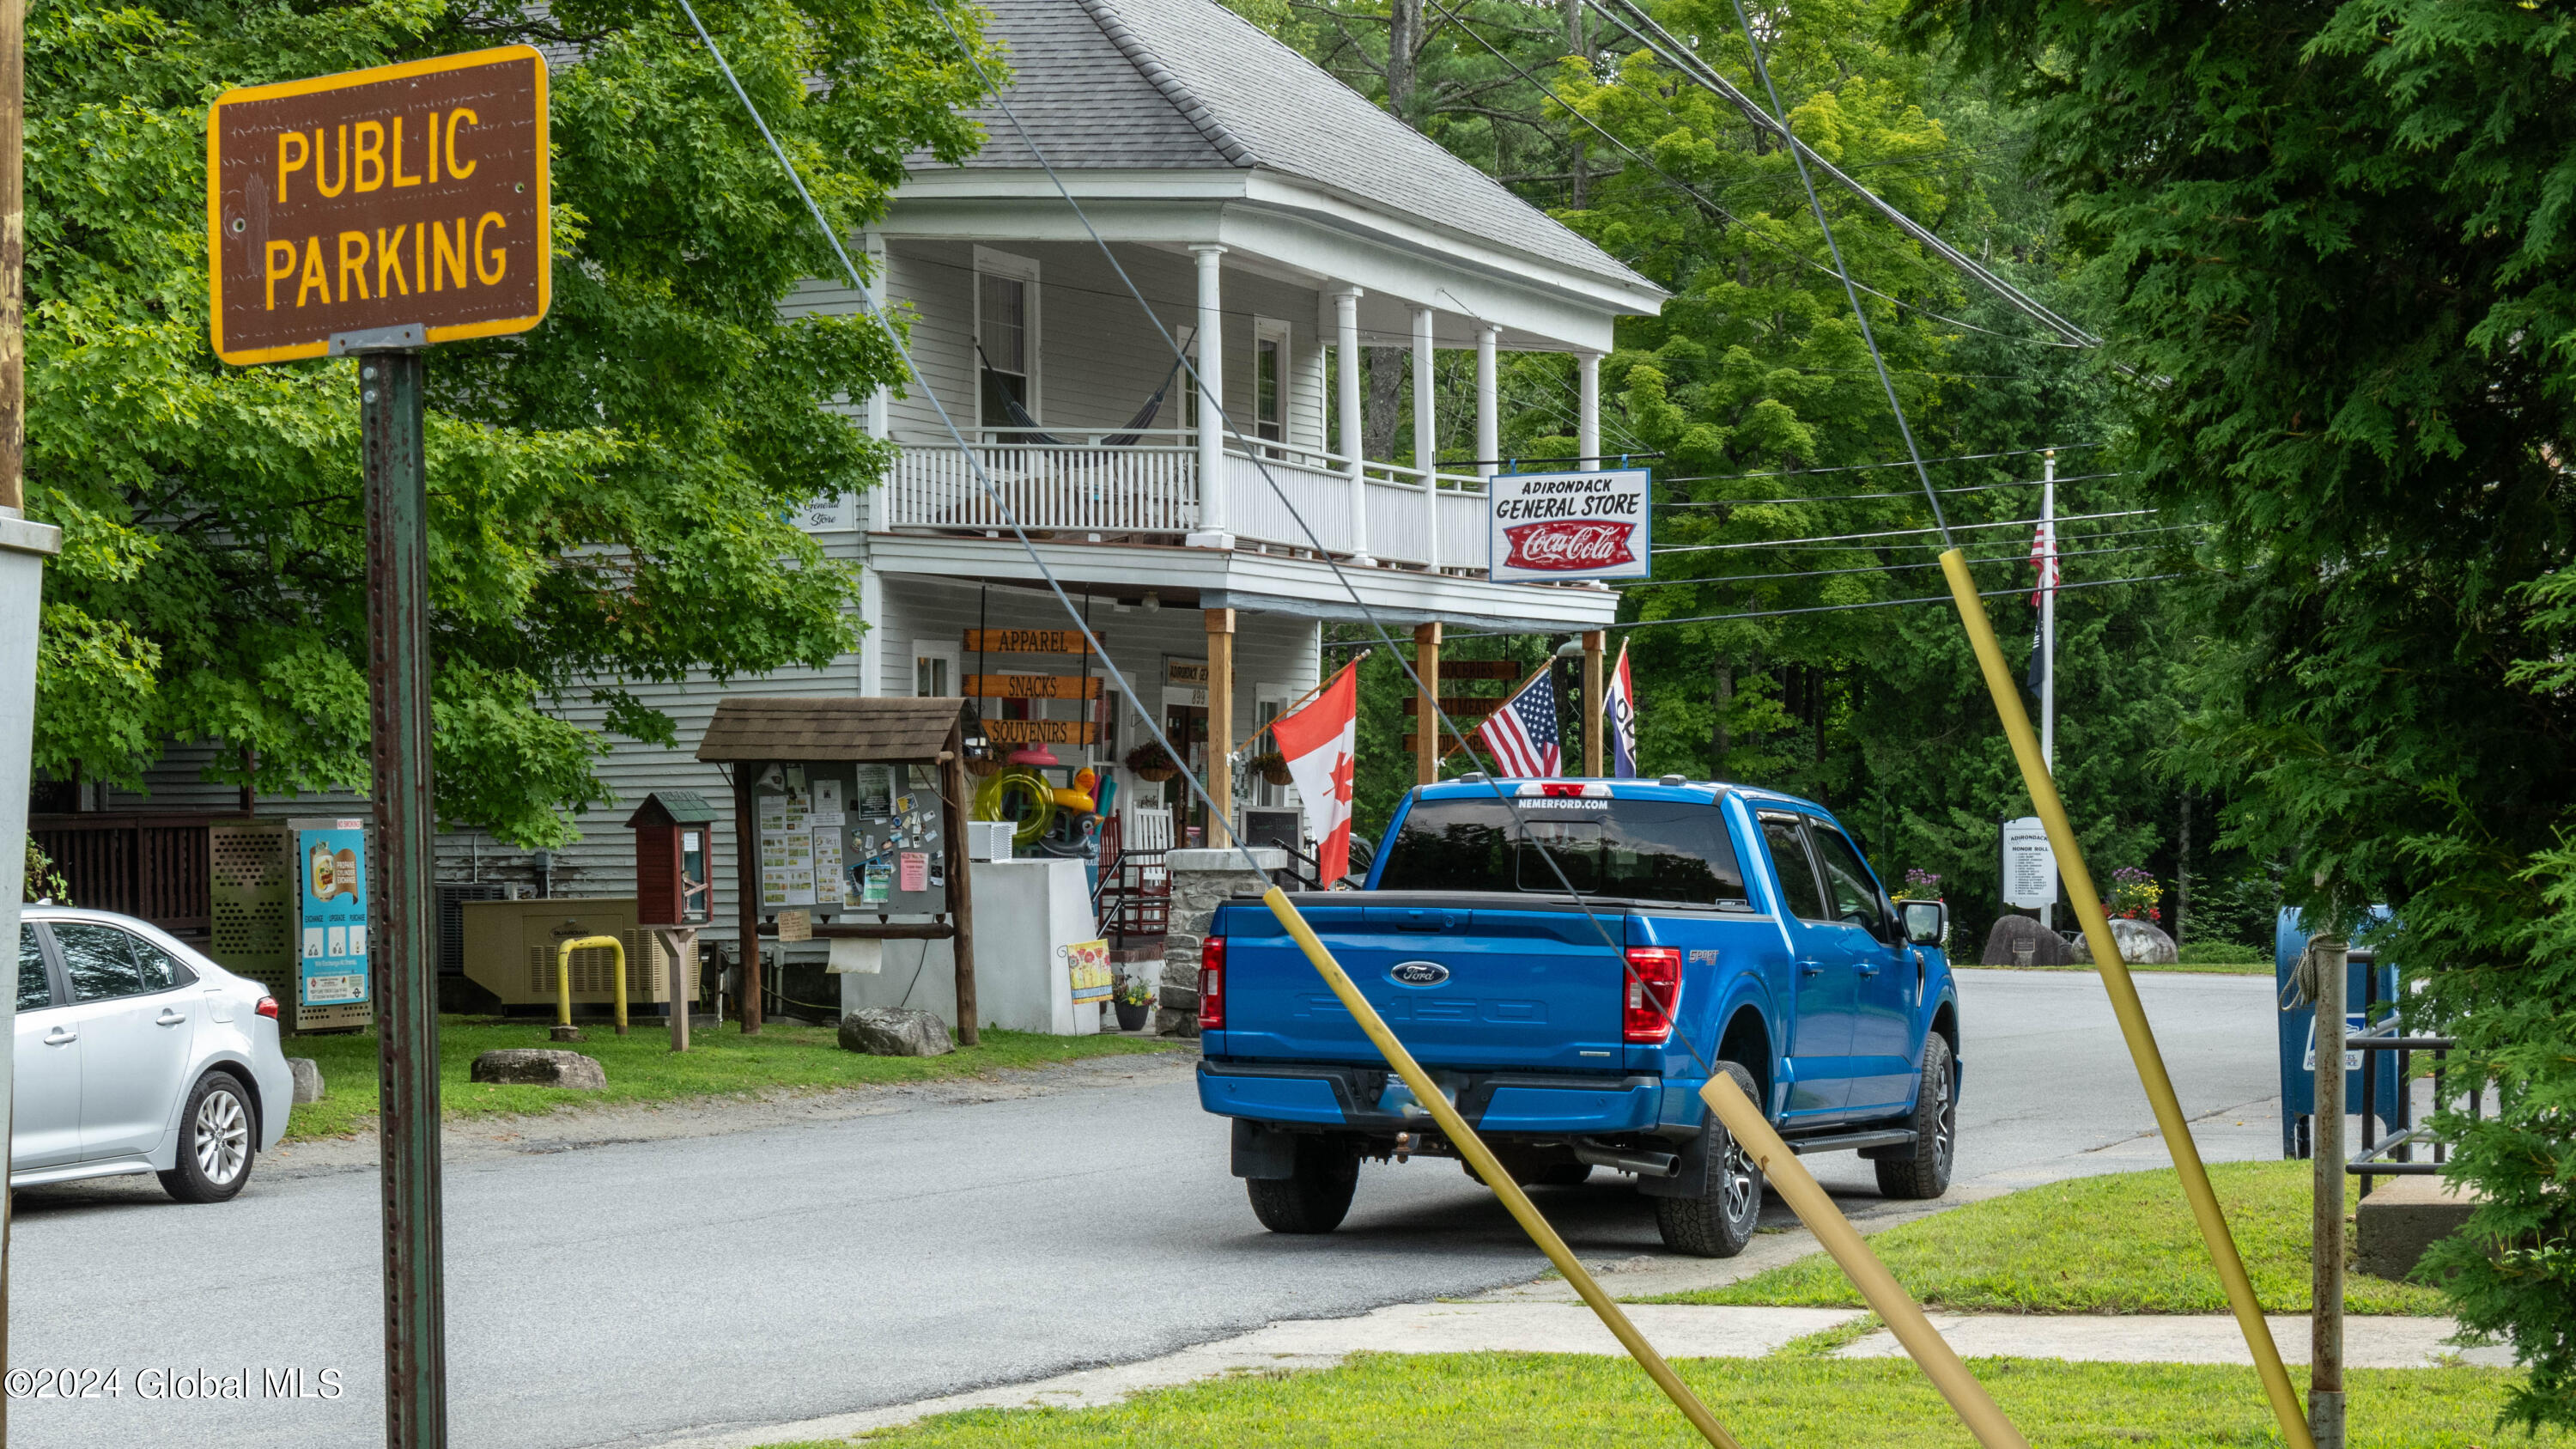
(1677, 1330)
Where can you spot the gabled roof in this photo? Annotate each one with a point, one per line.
(1190, 85)
(753, 728)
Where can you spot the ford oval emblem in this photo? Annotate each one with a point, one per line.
(1419, 973)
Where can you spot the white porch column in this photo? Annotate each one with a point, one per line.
(1587, 420)
(1489, 429)
(880, 420)
(1346, 330)
(1426, 435)
(1210, 360)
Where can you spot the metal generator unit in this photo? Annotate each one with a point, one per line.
(509, 950)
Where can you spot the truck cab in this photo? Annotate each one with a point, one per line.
(1571, 959)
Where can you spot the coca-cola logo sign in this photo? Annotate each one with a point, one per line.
(1575, 525)
(1569, 547)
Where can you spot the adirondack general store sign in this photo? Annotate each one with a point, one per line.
(408, 196)
(1571, 525)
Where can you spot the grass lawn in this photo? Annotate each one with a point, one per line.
(643, 1068)
(1451, 1401)
(2194, 968)
(2119, 1244)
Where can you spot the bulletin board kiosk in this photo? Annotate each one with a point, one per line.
(847, 813)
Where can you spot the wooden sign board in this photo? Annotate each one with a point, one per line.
(1031, 686)
(1036, 731)
(1456, 669)
(399, 206)
(1457, 704)
(1025, 641)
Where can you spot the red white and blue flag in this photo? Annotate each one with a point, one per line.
(1521, 736)
(2043, 557)
(1619, 712)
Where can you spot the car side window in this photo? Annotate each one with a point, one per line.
(1853, 893)
(161, 971)
(99, 960)
(1797, 875)
(35, 991)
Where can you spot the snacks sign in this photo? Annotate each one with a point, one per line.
(1571, 525)
(408, 198)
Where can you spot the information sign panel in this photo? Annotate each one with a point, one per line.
(1571, 525)
(2030, 867)
(331, 863)
(407, 196)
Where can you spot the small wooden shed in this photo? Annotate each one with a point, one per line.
(753, 737)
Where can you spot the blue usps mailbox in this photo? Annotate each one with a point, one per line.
(2298, 1033)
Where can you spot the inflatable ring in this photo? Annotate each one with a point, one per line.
(1020, 795)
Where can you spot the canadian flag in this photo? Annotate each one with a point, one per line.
(1317, 742)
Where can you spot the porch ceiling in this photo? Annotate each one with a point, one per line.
(1259, 582)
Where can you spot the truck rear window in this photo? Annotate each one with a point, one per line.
(1653, 850)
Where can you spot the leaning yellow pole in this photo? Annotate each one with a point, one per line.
(2124, 1003)
(1904, 1317)
(1481, 1158)
(563, 977)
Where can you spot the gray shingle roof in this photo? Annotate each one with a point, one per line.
(1188, 84)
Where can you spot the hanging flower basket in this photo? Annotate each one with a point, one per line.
(984, 766)
(1152, 763)
(1272, 766)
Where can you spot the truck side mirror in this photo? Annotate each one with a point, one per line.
(1926, 922)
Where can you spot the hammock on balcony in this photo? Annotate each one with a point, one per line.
(1025, 427)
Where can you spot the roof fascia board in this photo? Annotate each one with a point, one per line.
(1289, 585)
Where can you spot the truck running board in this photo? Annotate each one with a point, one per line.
(1848, 1141)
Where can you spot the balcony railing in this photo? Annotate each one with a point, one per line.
(1080, 486)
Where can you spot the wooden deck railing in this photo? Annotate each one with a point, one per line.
(152, 866)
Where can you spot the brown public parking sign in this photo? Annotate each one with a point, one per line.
(360, 205)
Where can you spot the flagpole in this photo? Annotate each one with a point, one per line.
(2048, 630)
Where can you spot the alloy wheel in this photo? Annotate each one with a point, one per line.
(1741, 1196)
(223, 1136)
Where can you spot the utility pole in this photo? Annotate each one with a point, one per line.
(2325, 1227)
(2048, 633)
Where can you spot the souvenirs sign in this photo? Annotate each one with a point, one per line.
(400, 206)
(1571, 525)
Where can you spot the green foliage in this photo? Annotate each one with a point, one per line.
(2239, 909)
(2225, 953)
(609, 494)
(42, 881)
(2334, 244)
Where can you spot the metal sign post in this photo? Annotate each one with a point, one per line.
(370, 215)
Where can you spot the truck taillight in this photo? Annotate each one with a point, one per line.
(1654, 992)
(1212, 984)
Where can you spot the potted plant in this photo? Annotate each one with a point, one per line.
(1272, 766)
(1152, 763)
(1135, 1001)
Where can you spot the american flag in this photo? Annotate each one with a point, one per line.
(1521, 736)
(2043, 557)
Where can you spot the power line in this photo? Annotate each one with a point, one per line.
(1813, 608)
(2005, 558)
(1862, 467)
(1860, 497)
(1832, 538)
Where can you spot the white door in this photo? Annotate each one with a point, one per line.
(46, 1077)
(136, 1027)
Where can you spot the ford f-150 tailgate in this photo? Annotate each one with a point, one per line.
(1462, 981)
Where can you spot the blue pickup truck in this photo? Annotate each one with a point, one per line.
(1705, 922)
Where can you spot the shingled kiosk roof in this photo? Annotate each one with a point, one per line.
(870, 731)
(1189, 84)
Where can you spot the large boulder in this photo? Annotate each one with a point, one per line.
(540, 1067)
(894, 1031)
(2140, 943)
(2021, 941)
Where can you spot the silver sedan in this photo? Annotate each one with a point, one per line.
(136, 1054)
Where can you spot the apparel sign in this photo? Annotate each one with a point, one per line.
(2030, 867)
(404, 197)
(1571, 525)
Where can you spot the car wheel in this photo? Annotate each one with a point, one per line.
(1316, 1196)
(218, 1137)
(1719, 1222)
(1924, 1171)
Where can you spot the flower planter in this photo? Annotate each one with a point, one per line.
(1157, 774)
(1131, 1017)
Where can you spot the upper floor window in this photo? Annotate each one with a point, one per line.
(1270, 382)
(1006, 340)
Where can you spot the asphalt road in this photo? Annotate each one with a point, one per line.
(625, 1293)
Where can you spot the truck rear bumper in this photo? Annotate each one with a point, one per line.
(1360, 1098)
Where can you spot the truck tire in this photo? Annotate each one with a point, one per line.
(1720, 1222)
(1315, 1197)
(1924, 1172)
